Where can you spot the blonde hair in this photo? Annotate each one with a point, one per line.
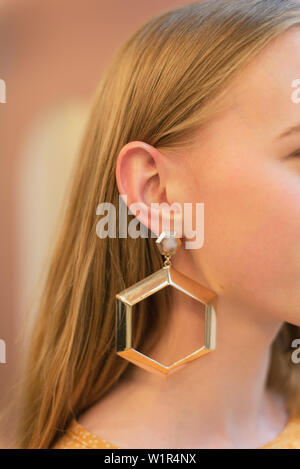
(161, 85)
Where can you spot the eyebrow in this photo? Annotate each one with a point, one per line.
(289, 131)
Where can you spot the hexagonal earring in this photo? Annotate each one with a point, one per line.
(168, 244)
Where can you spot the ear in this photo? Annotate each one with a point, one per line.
(142, 175)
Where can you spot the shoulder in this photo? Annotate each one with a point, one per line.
(78, 437)
(289, 438)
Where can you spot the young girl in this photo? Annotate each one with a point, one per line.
(199, 106)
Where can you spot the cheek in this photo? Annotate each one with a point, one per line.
(252, 234)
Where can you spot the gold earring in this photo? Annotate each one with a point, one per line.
(167, 243)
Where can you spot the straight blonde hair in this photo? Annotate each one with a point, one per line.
(161, 86)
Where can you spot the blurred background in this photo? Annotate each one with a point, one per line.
(52, 55)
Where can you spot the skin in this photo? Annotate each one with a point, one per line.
(250, 186)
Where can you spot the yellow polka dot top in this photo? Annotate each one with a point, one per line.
(78, 437)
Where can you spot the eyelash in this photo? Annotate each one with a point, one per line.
(296, 154)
